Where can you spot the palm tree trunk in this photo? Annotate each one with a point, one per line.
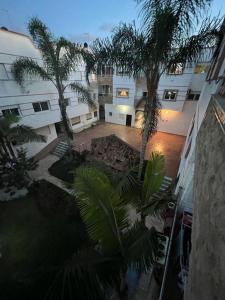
(66, 123)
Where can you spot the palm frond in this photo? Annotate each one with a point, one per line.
(23, 66)
(141, 244)
(24, 134)
(154, 174)
(85, 96)
(44, 41)
(100, 207)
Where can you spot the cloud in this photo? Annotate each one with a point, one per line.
(107, 27)
(83, 37)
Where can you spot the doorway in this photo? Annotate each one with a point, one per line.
(128, 120)
(102, 113)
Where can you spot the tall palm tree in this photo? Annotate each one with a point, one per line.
(106, 219)
(165, 39)
(11, 132)
(60, 58)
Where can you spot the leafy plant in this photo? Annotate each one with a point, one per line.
(60, 58)
(164, 40)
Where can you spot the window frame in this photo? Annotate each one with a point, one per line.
(90, 114)
(76, 123)
(10, 111)
(120, 89)
(169, 72)
(170, 100)
(40, 106)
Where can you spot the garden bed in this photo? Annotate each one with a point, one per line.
(38, 234)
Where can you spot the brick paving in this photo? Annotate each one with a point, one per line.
(169, 145)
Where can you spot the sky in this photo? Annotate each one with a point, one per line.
(78, 20)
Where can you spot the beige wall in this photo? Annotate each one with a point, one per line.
(207, 268)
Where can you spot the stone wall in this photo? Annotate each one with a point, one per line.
(207, 268)
(114, 152)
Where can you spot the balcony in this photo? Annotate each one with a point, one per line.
(105, 99)
(105, 79)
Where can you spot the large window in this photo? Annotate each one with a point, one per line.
(105, 90)
(193, 96)
(170, 95)
(40, 106)
(14, 111)
(3, 72)
(123, 93)
(176, 69)
(75, 121)
(89, 116)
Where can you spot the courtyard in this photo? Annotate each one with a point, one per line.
(170, 145)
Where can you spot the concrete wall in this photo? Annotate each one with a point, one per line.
(119, 113)
(207, 268)
(177, 122)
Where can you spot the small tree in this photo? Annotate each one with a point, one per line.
(165, 40)
(13, 133)
(14, 171)
(60, 58)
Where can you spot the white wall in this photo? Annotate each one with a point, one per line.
(127, 83)
(33, 148)
(12, 95)
(119, 113)
(177, 122)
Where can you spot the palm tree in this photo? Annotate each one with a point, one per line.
(60, 58)
(106, 218)
(164, 40)
(11, 132)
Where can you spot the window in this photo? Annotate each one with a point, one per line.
(170, 95)
(193, 96)
(124, 93)
(8, 68)
(95, 114)
(88, 116)
(176, 69)
(105, 90)
(110, 114)
(67, 101)
(14, 111)
(94, 96)
(144, 94)
(75, 121)
(40, 106)
(3, 73)
(200, 69)
(104, 70)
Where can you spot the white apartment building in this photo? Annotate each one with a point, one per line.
(178, 93)
(36, 103)
(212, 87)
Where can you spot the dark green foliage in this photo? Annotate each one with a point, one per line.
(14, 171)
(65, 167)
(39, 234)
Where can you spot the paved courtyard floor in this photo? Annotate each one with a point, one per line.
(168, 144)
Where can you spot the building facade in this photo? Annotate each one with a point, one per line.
(36, 102)
(199, 237)
(178, 92)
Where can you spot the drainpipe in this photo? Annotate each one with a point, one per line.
(169, 247)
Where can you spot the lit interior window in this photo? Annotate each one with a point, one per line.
(123, 93)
